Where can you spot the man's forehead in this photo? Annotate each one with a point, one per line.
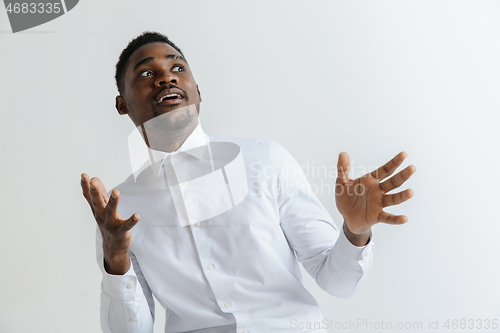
(155, 47)
(152, 50)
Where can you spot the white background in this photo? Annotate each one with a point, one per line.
(368, 77)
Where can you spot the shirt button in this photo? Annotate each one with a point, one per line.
(227, 305)
(210, 266)
(131, 319)
(129, 286)
(185, 184)
(197, 224)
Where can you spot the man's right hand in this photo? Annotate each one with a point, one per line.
(115, 231)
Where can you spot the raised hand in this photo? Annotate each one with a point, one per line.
(115, 231)
(362, 201)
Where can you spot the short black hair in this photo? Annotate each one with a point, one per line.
(145, 38)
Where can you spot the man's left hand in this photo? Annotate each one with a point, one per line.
(362, 201)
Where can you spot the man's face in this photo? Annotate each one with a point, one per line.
(158, 80)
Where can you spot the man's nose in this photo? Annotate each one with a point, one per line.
(166, 77)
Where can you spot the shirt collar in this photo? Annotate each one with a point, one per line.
(197, 138)
(142, 157)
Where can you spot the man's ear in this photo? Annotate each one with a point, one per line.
(199, 94)
(120, 105)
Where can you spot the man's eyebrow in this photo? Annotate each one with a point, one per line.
(149, 59)
(142, 62)
(173, 56)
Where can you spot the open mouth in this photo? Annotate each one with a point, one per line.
(173, 98)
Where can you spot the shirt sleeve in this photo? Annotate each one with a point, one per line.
(127, 304)
(337, 266)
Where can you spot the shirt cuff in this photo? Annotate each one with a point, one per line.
(361, 254)
(121, 287)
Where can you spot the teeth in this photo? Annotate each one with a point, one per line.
(170, 95)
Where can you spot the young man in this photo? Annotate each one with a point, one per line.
(235, 271)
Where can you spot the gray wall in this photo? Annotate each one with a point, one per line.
(368, 77)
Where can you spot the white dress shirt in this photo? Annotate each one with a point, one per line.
(237, 271)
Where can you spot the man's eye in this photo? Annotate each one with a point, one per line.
(178, 69)
(146, 73)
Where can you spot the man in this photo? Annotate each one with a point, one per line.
(236, 271)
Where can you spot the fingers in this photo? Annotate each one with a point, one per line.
(398, 180)
(343, 167)
(86, 187)
(113, 216)
(98, 198)
(131, 222)
(105, 209)
(391, 218)
(396, 198)
(111, 210)
(388, 168)
(97, 186)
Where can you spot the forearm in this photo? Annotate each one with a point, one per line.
(345, 267)
(127, 304)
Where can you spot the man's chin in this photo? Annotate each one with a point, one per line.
(164, 109)
(172, 122)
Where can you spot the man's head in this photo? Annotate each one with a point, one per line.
(154, 78)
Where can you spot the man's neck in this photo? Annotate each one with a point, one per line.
(168, 142)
